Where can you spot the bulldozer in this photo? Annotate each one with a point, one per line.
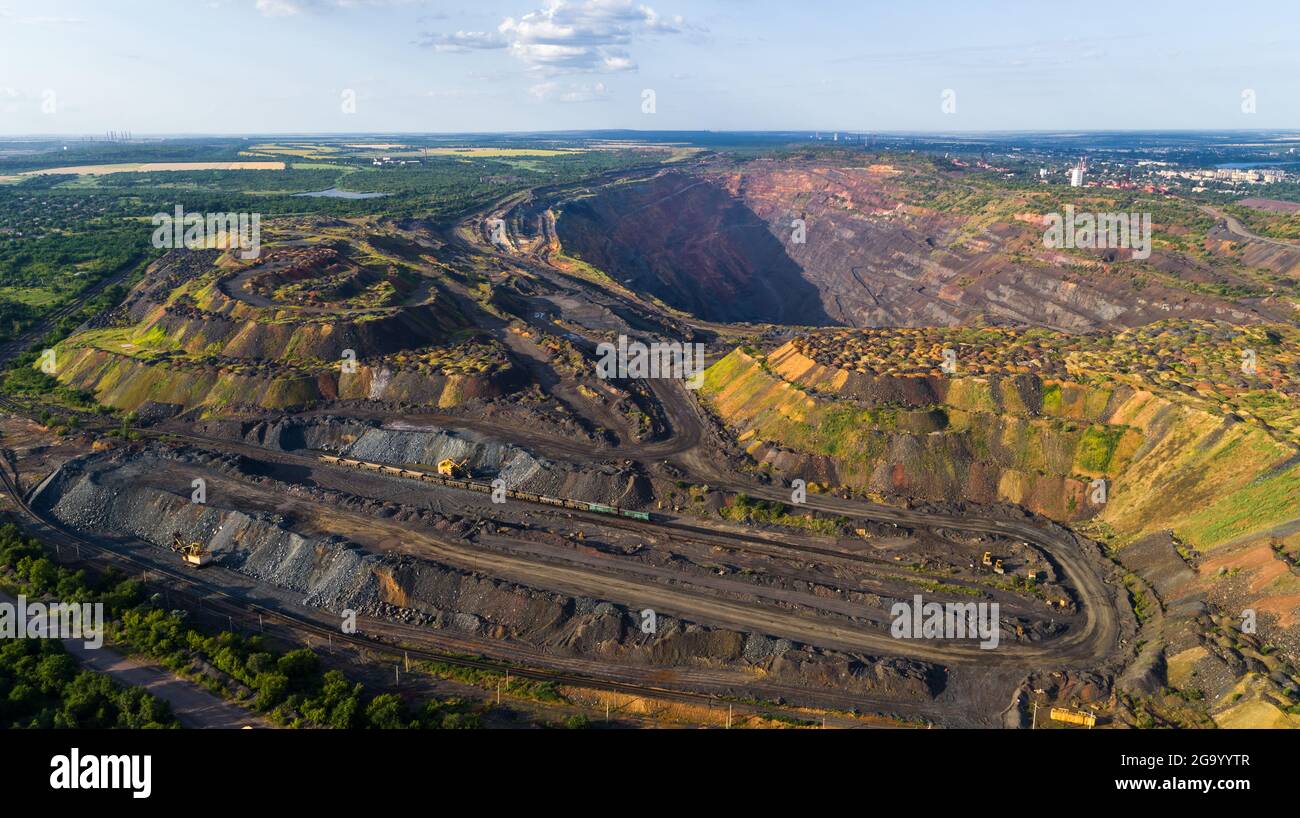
(450, 468)
(988, 558)
(192, 553)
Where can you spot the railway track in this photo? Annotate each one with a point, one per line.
(15, 347)
(1084, 645)
(612, 517)
(1080, 645)
(245, 611)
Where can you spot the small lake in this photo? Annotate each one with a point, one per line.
(335, 193)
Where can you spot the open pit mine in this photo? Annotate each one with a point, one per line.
(399, 424)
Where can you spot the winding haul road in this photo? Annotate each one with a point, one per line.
(1235, 227)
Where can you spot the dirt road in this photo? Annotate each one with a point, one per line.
(193, 705)
(1238, 229)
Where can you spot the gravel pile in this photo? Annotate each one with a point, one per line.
(329, 573)
(106, 494)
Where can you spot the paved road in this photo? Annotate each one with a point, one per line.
(193, 705)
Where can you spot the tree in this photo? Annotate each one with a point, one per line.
(271, 690)
(386, 712)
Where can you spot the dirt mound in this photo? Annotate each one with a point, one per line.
(296, 329)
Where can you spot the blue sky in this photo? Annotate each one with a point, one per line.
(245, 66)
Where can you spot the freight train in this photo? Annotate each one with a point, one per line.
(484, 488)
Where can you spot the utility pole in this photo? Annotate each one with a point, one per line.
(728, 717)
(406, 657)
(259, 623)
(397, 674)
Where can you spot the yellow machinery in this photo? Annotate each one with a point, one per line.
(997, 567)
(1073, 717)
(450, 468)
(192, 553)
(988, 558)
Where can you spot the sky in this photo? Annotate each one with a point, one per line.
(387, 66)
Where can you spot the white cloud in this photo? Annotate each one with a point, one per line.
(465, 41)
(567, 36)
(279, 8)
(568, 92)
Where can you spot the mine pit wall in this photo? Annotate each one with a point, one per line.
(1020, 439)
(334, 574)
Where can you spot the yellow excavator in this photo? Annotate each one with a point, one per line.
(450, 468)
(192, 553)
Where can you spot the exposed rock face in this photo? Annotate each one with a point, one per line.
(721, 245)
(691, 244)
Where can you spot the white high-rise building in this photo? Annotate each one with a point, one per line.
(1076, 175)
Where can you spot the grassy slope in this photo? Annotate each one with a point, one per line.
(1171, 466)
